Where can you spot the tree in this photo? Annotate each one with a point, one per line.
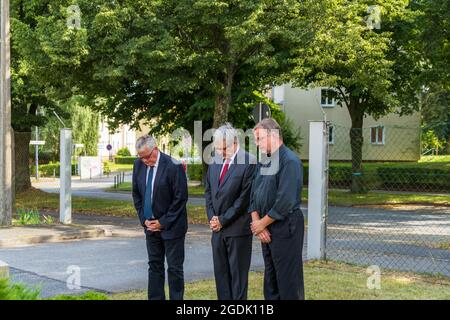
(151, 55)
(433, 21)
(372, 69)
(44, 50)
(84, 123)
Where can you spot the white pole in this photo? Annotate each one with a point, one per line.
(36, 153)
(6, 159)
(65, 176)
(317, 195)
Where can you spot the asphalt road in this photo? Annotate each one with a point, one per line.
(107, 265)
(400, 239)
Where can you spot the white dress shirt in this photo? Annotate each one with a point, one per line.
(155, 168)
(231, 161)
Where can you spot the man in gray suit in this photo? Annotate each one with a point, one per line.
(227, 192)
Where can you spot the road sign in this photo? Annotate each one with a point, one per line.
(109, 147)
(37, 142)
(261, 111)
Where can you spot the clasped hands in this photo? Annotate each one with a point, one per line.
(215, 224)
(153, 225)
(259, 228)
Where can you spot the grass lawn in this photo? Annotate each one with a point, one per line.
(42, 201)
(37, 199)
(331, 281)
(345, 198)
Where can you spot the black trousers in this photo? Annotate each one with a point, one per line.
(231, 257)
(283, 273)
(159, 249)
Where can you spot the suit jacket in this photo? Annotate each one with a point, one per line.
(230, 200)
(170, 195)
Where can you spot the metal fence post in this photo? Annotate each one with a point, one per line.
(65, 176)
(317, 189)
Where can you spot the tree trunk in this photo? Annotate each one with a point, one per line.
(21, 161)
(356, 142)
(223, 100)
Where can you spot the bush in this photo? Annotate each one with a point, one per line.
(16, 291)
(47, 170)
(106, 167)
(123, 152)
(195, 171)
(124, 160)
(415, 179)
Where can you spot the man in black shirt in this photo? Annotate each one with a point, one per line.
(276, 216)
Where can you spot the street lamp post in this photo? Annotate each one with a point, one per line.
(6, 160)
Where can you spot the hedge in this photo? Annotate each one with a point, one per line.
(409, 178)
(415, 179)
(46, 170)
(124, 160)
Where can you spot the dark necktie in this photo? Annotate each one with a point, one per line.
(148, 211)
(224, 171)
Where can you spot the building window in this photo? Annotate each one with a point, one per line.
(327, 98)
(377, 135)
(330, 134)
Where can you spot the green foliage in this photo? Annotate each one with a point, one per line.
(16, 291)
(430, 142)
(415, 179)
(195, 171)
(124, 152)
(50, 169)
(32, 217)
(89, 295)
(181, 61)
(28, 217)
(124, 160)
(106, 167)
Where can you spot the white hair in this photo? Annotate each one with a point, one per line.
(145, 141)
(226, 132)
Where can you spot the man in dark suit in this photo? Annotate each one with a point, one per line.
(160, 195)
(227, 191)
(277, 218)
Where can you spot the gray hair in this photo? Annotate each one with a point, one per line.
(226, 132)
(269, 124)
(145, 141)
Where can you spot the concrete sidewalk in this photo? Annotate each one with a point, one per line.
(19, 236)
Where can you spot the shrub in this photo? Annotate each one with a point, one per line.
(195, 171)
(106, 167)
(124, 160)
(47, 170)
(123, 152)
(415, 179)
(16, 291)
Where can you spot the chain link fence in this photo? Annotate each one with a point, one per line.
(387, 206)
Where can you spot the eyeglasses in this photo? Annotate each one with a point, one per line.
(149, 156)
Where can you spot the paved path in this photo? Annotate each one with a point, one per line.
(108, 265)
(95, 188)
(409, 239)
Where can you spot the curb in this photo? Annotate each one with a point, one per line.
(65, 236)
